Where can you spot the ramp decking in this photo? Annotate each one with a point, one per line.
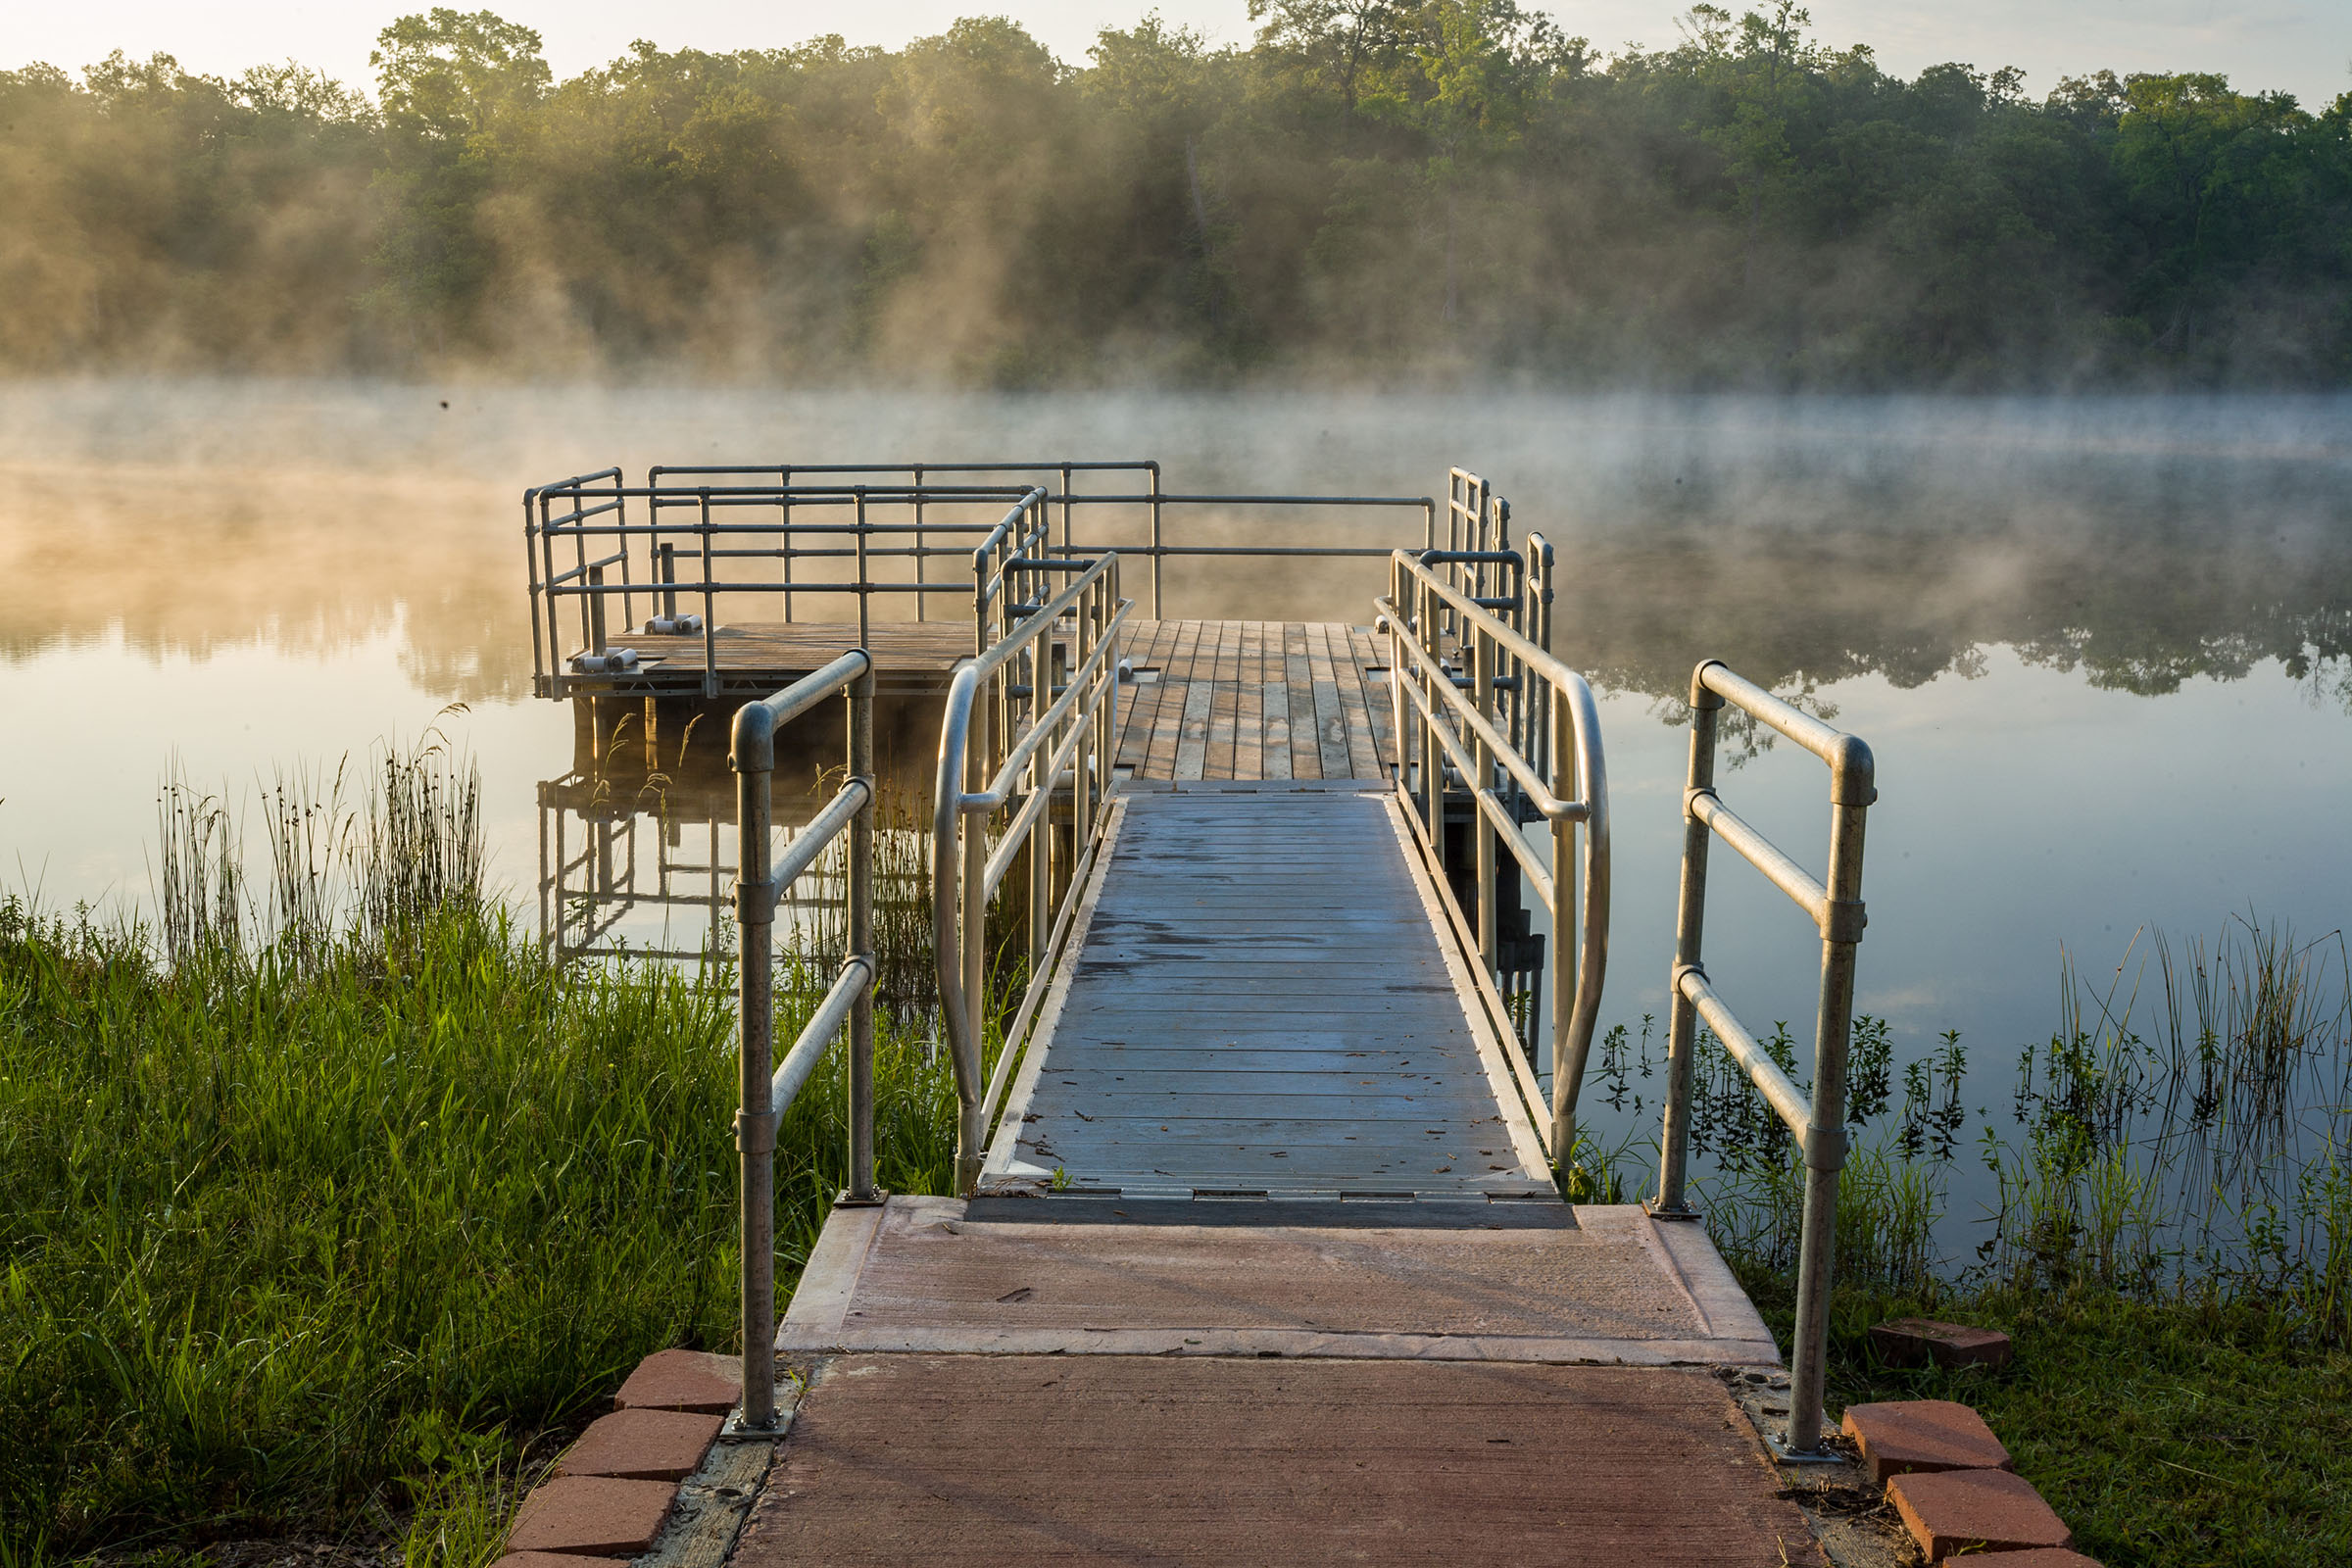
(1259, 1002)
(1267, 1264)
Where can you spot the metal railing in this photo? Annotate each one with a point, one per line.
(766, 1096)
(589, 556)
(1818, 1123)
(1040, 705)
(601, 551)
(1478, 689)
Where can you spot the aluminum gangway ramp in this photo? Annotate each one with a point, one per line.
(1265, 1266)
(1260, 1003)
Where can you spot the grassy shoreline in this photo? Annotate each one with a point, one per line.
(300, 1246)
(335, 1226)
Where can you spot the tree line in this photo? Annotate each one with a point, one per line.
(1448, 191)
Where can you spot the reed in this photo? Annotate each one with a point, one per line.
(331, 1205)
(2204, 1159)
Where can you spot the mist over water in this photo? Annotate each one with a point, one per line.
(2100, 646)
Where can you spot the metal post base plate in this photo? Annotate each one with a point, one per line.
(1782, 1454)
(788, 1400)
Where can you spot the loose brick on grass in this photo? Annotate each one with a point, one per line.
(683, 1380)
(550, 1559)
(1983, 1509)
(593, 1516)
(1905, 1435)
(642, 1445)
(1916, 1341)
(2038, 1557)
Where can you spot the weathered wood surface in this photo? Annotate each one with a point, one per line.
(1254, 699)
(1047, 1461)
(1258, 1000)
(762, 657)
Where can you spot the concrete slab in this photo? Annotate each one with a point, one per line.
(1050, 1460)
(1434, 1281)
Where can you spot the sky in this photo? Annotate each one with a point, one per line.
(2298, 46)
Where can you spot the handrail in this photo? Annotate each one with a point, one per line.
(1068, 728)
(585, 545)
(1565, 784)
(766, 1096)
(1837, 910)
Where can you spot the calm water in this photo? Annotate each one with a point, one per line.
(2100, 647)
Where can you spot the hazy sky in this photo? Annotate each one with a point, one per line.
(2299, 46)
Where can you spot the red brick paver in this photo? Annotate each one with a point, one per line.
(1917, 1435)
(643, 1445)
(682, 1379)
(2038, 1557)
(550, 1559)
(1950, 1509)
(594, 1516)
(1916, 1341)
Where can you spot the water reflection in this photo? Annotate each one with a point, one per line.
(2074, 629)
(637, 847)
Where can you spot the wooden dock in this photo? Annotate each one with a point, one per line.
(1266, 1265)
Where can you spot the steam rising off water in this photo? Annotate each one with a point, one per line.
(2098, 646)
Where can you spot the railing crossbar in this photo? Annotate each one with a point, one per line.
(816, 1036)
(1834, 905)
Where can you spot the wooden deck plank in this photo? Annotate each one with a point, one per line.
(1306, 756)
(1237, 701)
(1218, 745)
(1167, 727)
(1144, 699)
(1363, 742)
(1248, 708)
(1330, 723)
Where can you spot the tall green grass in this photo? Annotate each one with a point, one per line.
(319, 1205)
(2204, 1152)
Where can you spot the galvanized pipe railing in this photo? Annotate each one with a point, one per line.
(1565, 786)
(1818, 1123)
(1012, 732)
(766, 1094)
(614, 556)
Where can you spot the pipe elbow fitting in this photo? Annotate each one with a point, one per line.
(751, 742)
(1854, 772)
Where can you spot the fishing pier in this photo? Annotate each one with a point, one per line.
(1268, 958)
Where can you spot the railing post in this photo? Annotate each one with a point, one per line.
(1432, 760)
(972, 929)
(783, 539)
(865, 588)
(753, 758)
(596, 609)
(1397, 636)
(1852, 788)
(922, 600)
(1682, 1034)
(1482, 694)
(711, 598)
(1566, 1076)
(670, 580)
(862, 938)
(1156, 507)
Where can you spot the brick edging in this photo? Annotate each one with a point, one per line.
(612, 1494)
